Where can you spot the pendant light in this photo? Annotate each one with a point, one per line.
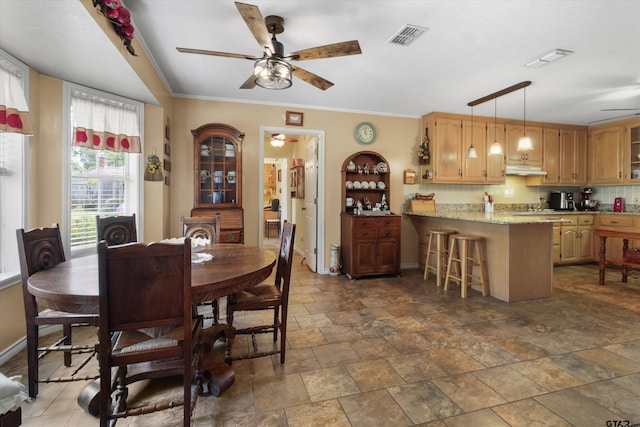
(524, 143)
(496, 147)
(472, 153)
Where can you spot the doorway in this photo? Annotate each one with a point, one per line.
(307, 213)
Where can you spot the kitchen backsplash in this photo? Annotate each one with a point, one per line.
(514, 195)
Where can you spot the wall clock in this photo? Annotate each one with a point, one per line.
(365, 133)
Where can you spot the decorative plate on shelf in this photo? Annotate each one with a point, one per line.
(373, 185)
(382, 185)
(349, 184)
(382, 167)
(357, 185)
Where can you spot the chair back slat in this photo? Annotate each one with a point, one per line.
(285, 259)
(144, 285)
(117, 230)
(201, 227)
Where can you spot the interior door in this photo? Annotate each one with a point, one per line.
(310, 202)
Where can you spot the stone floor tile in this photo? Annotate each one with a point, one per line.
(581, 368)
(329, 383)
(508, 383)
(423, 402)
(484, 417)
(468, 392)
(374, 348)
(528, 412)
(409, 342)
(326, 413)
(520, 348)
(454, 361)
(374, 374)
(305, 338)
(576, 409)
(338, 354)
(374, 408)
(615, 398)
(279, 392)
(415, 367)
(605, 358)
(542, 372)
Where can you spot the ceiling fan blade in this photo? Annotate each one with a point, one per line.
(614, 118)
(214, 53)
(250, 83)
(254, 20)
(329, 51)
(311, 78)
(621, 109)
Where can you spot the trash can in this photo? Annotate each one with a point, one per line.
(334, 261)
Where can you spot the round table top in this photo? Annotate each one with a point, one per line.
(73, 285)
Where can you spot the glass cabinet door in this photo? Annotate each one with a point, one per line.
(218, 168)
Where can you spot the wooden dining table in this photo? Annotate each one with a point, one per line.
(73, 286)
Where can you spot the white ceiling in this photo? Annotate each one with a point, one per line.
(473, 48)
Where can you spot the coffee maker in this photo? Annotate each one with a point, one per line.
(560, 200)
(587, 203)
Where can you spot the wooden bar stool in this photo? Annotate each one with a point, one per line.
(466, 251)
(438, 244)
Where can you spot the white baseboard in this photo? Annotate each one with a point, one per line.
(21, 344)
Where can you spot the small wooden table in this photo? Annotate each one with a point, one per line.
(626, 234)
(73, 286)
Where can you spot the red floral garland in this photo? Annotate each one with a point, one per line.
(120, 18)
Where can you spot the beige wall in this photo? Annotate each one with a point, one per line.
(397, 141)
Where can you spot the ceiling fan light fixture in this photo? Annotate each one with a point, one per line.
(277, 142)
(272, 73)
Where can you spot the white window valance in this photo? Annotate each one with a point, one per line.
(14, 110)
(104, 125)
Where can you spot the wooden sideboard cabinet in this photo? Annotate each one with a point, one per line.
(370, 244)
(218, 178)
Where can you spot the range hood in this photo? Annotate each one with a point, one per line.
(525, 170)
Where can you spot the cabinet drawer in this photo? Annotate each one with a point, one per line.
(616, 221)
(380, 221)
(231, 236)
(569, 220)
(585, 219)
(364, 233)
(386, 232)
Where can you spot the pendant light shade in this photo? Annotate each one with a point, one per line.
(524, 143)
(472, 153)
(496, 147)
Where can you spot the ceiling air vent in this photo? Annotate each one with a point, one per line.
(407, 35)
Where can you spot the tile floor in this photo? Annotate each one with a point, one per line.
(399, 352)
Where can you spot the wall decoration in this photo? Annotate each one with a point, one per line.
(294, 118)
(167, 132)
(167, 165)
(279, 175)
(152, 171)
(167, 180)
(167, 149)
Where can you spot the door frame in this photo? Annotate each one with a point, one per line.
(320, 203)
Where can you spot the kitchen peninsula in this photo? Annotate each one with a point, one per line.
(519, 259)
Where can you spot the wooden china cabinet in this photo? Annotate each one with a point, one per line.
(217, 179)
(370, 242)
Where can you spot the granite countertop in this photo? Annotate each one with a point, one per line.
(496, 218)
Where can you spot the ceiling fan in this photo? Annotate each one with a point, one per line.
(283, 137)
(617, 117)
(272, 70)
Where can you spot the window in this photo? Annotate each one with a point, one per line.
(13, 169)
(101, 181)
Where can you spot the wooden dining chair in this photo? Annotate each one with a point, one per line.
(201, 226)
(117, 230)
(146, 327)
(266, 296)
(41, 249)
(204, 228)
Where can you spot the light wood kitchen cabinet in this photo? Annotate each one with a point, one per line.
(218, 178)
(606, 155)
(573, 156)
(370, 244)
(446, 151)
(551, 157)
(576, 243)
(530, 158)
(485, 168)
(632, 152)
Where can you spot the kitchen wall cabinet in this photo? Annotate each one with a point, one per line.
(218, 178)
(606, 155)
(485, 168)
(451, 137)
(573, 156)
(529, 158)
(551, 156)
(632, 153)
(370, 244)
